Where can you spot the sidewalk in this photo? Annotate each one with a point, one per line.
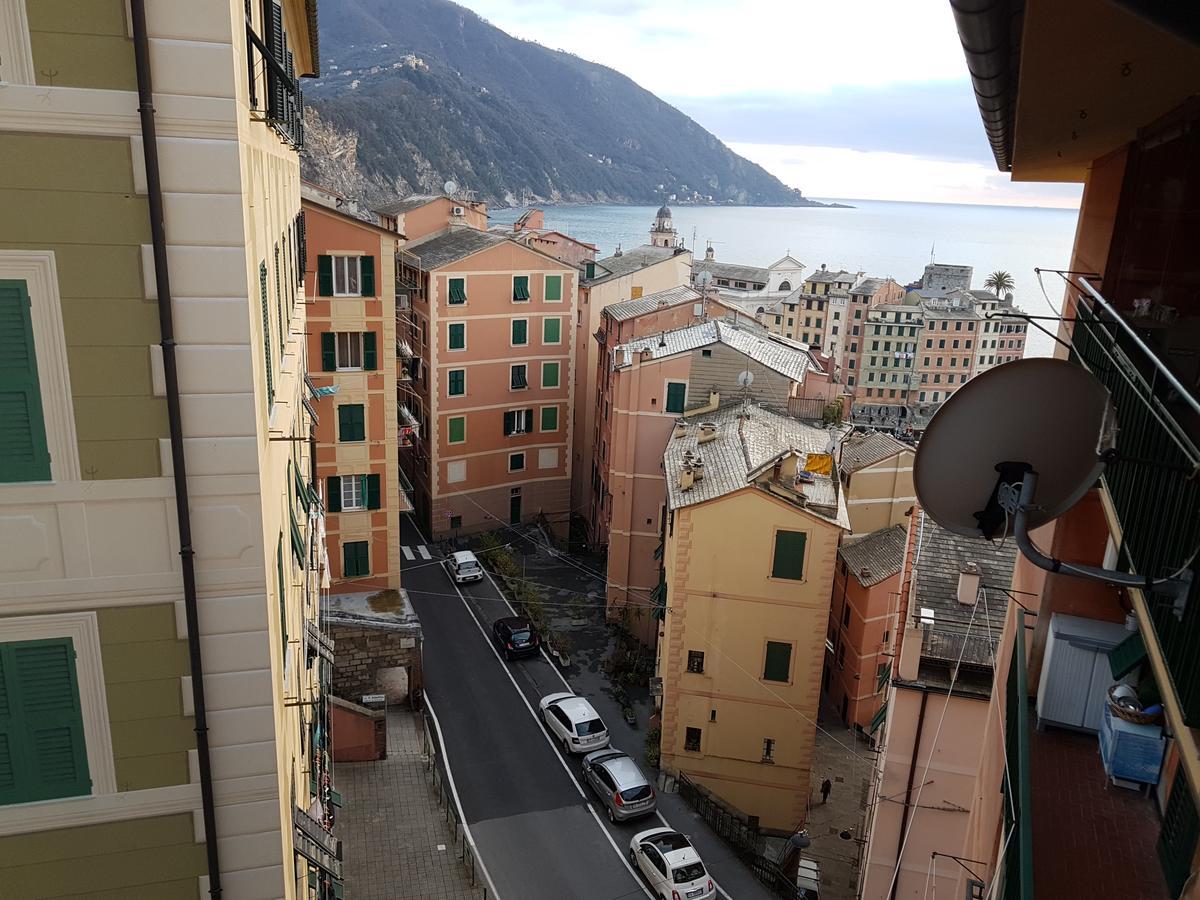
(395, 837)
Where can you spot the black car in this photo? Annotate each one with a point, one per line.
(515, 637)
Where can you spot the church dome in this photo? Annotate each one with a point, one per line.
(664, 212)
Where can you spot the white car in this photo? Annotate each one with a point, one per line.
(574, 722)
(671, 865)
(463, 566)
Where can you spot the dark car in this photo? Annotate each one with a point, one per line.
(515, 637)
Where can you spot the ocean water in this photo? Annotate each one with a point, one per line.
(880, 238)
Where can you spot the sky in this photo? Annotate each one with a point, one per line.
(865, 99)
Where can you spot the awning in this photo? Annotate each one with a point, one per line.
(1127, 655)
(318, 641)
(316, 844)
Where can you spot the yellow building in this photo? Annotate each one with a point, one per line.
(748, 563)
(877, 473)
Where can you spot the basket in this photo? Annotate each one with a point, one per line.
(1129, 715)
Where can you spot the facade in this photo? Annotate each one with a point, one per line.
(113, 743)
(352, 348)
(946, 277)
(877, 473)
(886, 362)
(420, 215)
(752, 527)
(844, 324)
(825, 281)
(492, 331)
(802, 317)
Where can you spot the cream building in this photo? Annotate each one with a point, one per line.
(877, 474)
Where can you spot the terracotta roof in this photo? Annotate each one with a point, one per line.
(862, 449)
(877, 556)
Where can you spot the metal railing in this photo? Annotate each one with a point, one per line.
(1018, 796)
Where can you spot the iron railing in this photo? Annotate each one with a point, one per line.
(1018, 796)
(1153, 483)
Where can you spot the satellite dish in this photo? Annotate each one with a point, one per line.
(450, 187)
(1048, 414)
(746, 378)
(704, 279)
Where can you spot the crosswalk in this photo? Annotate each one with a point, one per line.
(421, 550)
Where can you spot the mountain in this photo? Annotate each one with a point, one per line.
(418, 92)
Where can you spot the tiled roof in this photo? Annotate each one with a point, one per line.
(731, 271)
(407, 204)
(868, 286)
(788, 358)
(876, 557)
(629, 309)
(861, 449)
(447, 246)
(630, 261)
(820, 276)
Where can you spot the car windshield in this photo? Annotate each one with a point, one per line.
(468, 565)
(632, 795)
(591, 726)
(687, 873)
(521, 636)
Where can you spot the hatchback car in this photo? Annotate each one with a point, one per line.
(515, 637)
(463, 566)
(572, 720)
(671, 865)
(620, 785)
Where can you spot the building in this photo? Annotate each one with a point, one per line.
(886, 363)
(945, 277)
(492, 329)
(800, 317)
(163, 699)
(752, 526)
(627, 275)
(866, 595)
(845, 321)
(645, 386)
(352, 349)
(824, 281)
(948, 349)
(419, 215)
(877, 474)
(531, 229)
(662, 232)
(750, 287)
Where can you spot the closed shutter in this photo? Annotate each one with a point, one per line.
(43, 754)
(333, 493)
(789, 555)
(676, 396)
(457, 336)
(328, 351)
(553, 287)
(355, 559)
(279, 303)
(778, 663)
(298, 549)
(351, 423)
(520, 332)
(301, 247)
(367, 276)
(549, 374)
(370, 357)
(372, 491)
(302, 493)
(266, 316)
(23, 452)
(457, 430)
(325, 276)
(458, 382)
(549, 418)
(551, 331)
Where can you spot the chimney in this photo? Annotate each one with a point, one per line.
(686, 478)
(680, 428)
(968, 584)
(644, 354)
(698, 467)
(618, 251)
(708, 432)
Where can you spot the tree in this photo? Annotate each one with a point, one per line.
(999, 283)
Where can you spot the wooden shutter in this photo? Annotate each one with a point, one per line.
(520, 332)
(279, 303)
(456, 429)
(553, 287)
(266, 316)
(301, 247)
(273, 21)
(551, 331)
(333, 493)
(328, 351)
(520, 287)
(458, 290)
(23, 452)
(529, 421)
(549, 369)
(345, 423)
(676, 396)
(366, 276)
(325, 276)
(549, 418)
(370, 357)
(371, 490)
(457, 336)
(778, 663)
(789, 555)
(510, 425)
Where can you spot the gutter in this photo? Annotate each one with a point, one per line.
(162, 281)
(990, 31)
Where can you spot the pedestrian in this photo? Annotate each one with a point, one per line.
(826, 787)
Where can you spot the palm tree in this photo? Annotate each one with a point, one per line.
(999, 283)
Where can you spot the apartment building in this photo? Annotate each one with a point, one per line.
(492, 329)
(352, 351)
(801, 317)
(753, 519)
(846, 314)
(947, 352)
(887, 361)
(825, 281)
(531, 229)
(419, 215)
(159, 578)
(877, 474)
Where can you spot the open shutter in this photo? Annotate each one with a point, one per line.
(23, 452)
(325, 276)
(328, 351)
(333, 493)
(372, 491)
(301, 247)
(277, 96)
(509, 423)
(266, 316)
(370, 357)
(367, 276)
(520, 287)
(529, 421)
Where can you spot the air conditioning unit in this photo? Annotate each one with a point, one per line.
(458, 211)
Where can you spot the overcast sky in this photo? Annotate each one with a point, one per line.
(850, 99)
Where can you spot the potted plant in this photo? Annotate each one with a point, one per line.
(630, 716)
(563, 644)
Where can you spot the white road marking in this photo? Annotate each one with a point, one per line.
(408, 554)
(424, 551)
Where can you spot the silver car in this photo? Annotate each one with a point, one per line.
(620, 785)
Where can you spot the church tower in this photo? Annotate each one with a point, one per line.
(662, 234)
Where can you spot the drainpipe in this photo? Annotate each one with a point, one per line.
(912, 771)
(162, 280)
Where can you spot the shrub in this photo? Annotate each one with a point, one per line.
(653, 746)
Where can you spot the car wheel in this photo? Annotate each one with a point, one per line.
(508, 656)
(633, 859)
(612, 816)
(566, 747)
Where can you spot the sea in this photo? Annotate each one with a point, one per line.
(880, 238)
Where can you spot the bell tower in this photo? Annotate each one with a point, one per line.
(662, 233)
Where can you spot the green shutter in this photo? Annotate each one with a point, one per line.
(879, 718)
(549, 374)
(549, 418)
(279, 302)
(510, 420)
(371, 490)
(457, 383)
(367, 276)
(456, 429)
(457, 335)
(458, 291)
(589, 270)
(883, 676)
(333, 493)
(279, 589)
(328, 351)
(789, 555)
(551, 331)
(520, 332)
(301, 491)
(370, 357)
(298, 549)
(520, 287)
(528, 421)
(23, 452)
(778, 663)
(676, 396)
(553, 287)
(43, 754)
(266, 317)
(324, 276)
(355, 559)
(351, 424)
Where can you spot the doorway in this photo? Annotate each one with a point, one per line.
(514, 507)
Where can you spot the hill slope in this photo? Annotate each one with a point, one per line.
(416, 92)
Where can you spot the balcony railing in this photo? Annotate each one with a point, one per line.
(1018, 797)
(1153, 483)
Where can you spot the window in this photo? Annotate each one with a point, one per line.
(548, 458)
(520, 332)
(676, 396)
(456, 521)
(768, 750)
(691, 740)
(457, 336)
(356, 559)
(456, 382)
(456, 471)
(346, 271)
(351, 423)
(777, 663)
(456, 430)
(26, 456)
(549, 418)
(835, 329)
(789, 555)
(353, 495)
(553, 289)
(517, 380)
(706, 353)
(518, 421)
(846, 616)
(516, 462)
(549, 374)
(458, 291)
(349, 350)
(551, 331)
(695, 661)
(520, 288)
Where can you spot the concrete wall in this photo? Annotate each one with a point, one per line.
(362, 650)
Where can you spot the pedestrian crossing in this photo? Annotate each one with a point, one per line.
(411, 553)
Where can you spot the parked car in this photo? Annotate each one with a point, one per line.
(515, 637)
(620, 785)
(574, 722)
(463, 566)
(671, 865)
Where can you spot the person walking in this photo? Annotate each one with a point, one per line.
(826, 787)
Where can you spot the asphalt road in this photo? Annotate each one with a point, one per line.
(537, 833)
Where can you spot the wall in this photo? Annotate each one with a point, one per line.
(436, 215)
(359, 734)
(860, 619)
(361, 650)
(880, 494)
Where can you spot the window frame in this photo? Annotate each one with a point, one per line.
(345, 257)
(695, 657)
(557, 369)
(450, 326)
(516, 455)
(353, 485)
(513, 369)
(687, 739)
(542, 418)
(513, 294)
(451, 464)
(546, 279)
(450, 420)
(450, 373)
(558, 322)
(512, 332)
(337, 350)
(356, 574)
(360, 440)
(804, 557)
(667, 397)
(450, 301)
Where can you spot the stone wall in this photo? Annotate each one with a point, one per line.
(363, 649)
